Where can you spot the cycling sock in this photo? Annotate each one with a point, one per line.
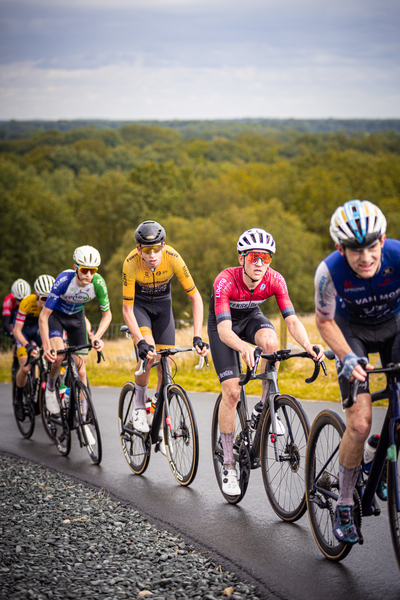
(140, 397)
(347, 482)
(265, 389)
(227, 446)
(19, 393)
(51, 383)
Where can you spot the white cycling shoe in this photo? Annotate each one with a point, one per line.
(230, 484)
(52, 403)
(139, 420)
(279, 427)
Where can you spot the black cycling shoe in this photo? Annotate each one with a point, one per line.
(19, 410)
(343, 528)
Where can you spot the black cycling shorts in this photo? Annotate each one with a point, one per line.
(225, 358)
(74, 325)
(156, 318)
(365, 339)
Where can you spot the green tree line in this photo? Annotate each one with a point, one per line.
(62, 189)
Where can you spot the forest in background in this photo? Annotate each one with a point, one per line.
(206, 182)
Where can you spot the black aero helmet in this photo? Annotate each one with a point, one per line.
(149, 232)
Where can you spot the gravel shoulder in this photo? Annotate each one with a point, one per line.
(61, 539)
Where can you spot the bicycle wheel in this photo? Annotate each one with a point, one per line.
(181, 437)
(283, 472)
(394, 516)
(27, 424)
(47, 418)
(88, 423)
(322, 482)
(239, 451)
(136, 448)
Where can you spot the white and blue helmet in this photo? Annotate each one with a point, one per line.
(357, 224)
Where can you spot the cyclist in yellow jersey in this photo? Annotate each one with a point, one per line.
(26, 334)
(147, 304)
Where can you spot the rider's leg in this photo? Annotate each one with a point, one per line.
(226, 418)
(358, 426)
(266, 339)
(142, 381)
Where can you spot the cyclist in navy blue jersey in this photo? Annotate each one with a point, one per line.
(357, 298)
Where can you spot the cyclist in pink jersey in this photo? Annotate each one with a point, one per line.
(236, 324)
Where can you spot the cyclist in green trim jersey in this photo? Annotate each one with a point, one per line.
(64, 310)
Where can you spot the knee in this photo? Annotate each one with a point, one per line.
(230, 396)
(360, 428)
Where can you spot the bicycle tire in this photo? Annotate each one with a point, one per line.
(27, 425)
(325, 435)
(136, 450)
(181, 436)
(284, 479)
(394, 516)
(88, 423)
(218, 453)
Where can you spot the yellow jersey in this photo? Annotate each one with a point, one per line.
(152, 284)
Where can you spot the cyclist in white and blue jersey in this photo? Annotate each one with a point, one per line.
(64, 311)
(357, 298)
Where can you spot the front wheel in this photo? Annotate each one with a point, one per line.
(394, 516)
(88, 422)
(26, 425)
(322, 482)
(240, 451)
(135, 445)
(283, 458)
(181, 437)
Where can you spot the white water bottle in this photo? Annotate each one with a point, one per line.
(255, 415)
(369, 451)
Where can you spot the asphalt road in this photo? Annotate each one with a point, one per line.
(282, 559)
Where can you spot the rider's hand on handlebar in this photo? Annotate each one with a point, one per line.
(98, 345)
(316, 356)
(247, 353)
(351, 368)
(201, 347)
(50, 355)
(144, 349)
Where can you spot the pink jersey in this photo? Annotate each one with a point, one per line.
(233, 300)
(9, 305)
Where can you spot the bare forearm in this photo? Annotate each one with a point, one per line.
(130, 320)
(106, 318)
(333, 336)
(198, 314)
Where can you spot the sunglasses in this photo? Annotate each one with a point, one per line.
(254, 257)
(43, 298)
(150, 249)
(86, 270)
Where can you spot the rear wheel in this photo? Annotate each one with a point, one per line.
(239, 451)
(283, 476)
(135, 445)
(322, 482)
(26, 425)
(394, 516)
(88, 423)
(181, 437)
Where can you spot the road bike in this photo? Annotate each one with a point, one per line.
(175, 416)
(278, 444)
(32, 394)
(78, 413)
(322, 469)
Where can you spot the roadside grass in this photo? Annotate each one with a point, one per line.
(120, 365)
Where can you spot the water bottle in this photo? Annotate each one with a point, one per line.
(61, 391)
(369, 452)
(255, 415)
(153, 403)
(66, 397)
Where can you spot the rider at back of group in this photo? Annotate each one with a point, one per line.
(357, 299)
(235, 322)
(147, 304)
(64, 312)
(26, 334)
(19, 290)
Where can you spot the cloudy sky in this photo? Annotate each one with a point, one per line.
(199, 59)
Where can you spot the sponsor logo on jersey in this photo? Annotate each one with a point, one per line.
(387, 271)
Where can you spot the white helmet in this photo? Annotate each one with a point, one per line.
(87, 256)
(256, 239)
(20, 289)
(43, 285)
(357, 224)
